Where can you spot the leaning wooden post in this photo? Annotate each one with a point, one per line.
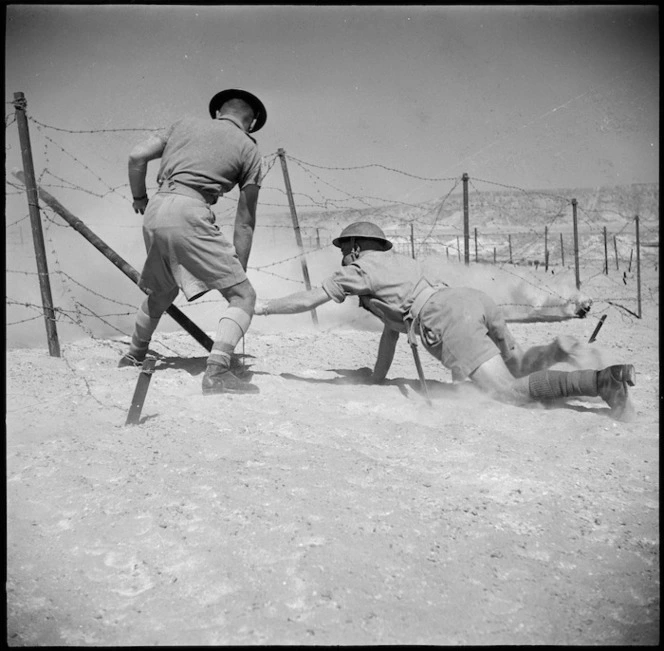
(296, 227)
(576, 246)
(131, 273)
(466, 228)
(20, 105)
(494, 255)
(562, 250)
(412, 240)
(476, 258)
(615, 249)
(546, 248)
(606, 255)
(509, 241)
(638, 268)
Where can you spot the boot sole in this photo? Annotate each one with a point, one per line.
(126, 362)
(625, 413)
(220, 387)
(214, 392)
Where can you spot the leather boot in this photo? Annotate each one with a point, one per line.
(220, 379)
(612, 383)
(131, 360)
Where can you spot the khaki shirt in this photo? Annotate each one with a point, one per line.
(386, 282)
(210, 156)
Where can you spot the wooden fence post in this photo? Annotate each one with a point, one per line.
(412, 240)
(546, 248)
(476, 258)
(576, 246)
(509, 241)
(606, 255)
(615, 249)
(458, 248)
(296, 227)
(20, 104)
(466, 227)
(562, 250)
(638, 268)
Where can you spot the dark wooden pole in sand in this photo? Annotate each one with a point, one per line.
(20, 104)
(466, 226)
(296, 226)
(576, 245)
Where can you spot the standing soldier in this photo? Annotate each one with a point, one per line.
(461, 327)
(201, 159)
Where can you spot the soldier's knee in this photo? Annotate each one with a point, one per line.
(157, 304)
(242, 295)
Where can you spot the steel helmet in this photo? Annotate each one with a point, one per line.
(260, 114)
(363, 229)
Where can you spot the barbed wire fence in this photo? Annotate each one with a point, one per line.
(513, 229)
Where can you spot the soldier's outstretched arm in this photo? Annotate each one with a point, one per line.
(386, 348)
(293, 303)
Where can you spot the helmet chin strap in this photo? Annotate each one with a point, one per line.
(353, 255)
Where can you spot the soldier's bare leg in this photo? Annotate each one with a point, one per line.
(147, 320)
(610, 384)
(233, 325)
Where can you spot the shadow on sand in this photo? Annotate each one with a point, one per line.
(196, 365)
(361, 377)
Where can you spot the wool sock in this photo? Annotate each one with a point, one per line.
(144, 328)
(233, 324)
(549, 385)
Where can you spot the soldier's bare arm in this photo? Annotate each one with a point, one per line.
(293, 303)
(386, 348)
(245, 223)
(139, 157)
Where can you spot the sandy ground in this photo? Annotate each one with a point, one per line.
(323, 511)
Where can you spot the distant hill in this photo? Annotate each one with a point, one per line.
(501, 209)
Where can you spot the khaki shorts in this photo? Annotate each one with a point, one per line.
(185, 248)
(464, 328)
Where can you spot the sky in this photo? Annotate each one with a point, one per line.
(532, 96)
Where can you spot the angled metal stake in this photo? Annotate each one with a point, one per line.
(593, 336)
(134, 415)
(420, 373)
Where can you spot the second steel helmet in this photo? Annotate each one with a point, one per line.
(363, 229)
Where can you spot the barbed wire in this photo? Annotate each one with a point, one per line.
(311, 174)
(294, 257)
(360, 167)
(439, 212)
(526, 244)
(116, 130)
(84, 166)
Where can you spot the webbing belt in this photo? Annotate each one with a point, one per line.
(171, 186)
(412, 320)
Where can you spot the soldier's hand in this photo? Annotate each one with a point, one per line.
(260, 309)
(365, 375)
(139, 205)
